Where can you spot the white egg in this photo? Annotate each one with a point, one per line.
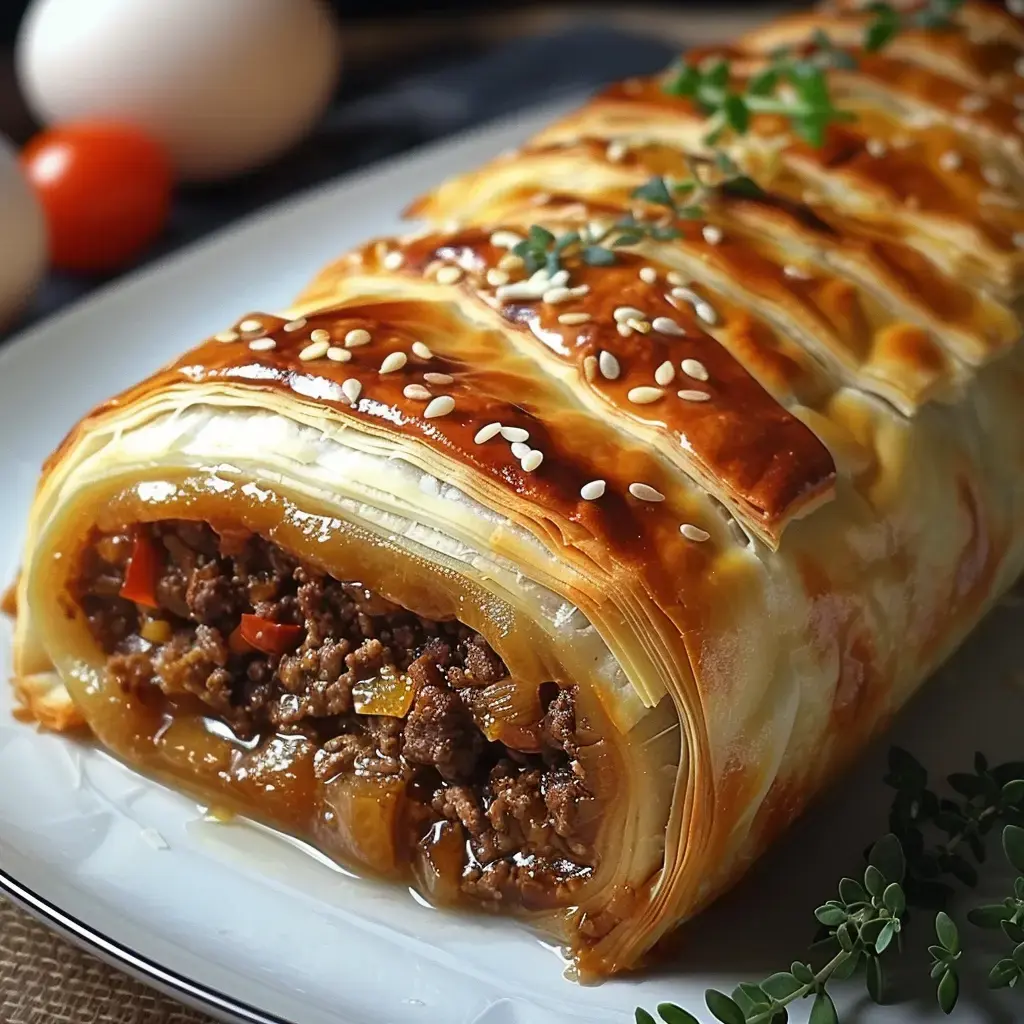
(22, 236)
(225, 84)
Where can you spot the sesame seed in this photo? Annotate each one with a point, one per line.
(608, 365)
(665, 374)
(640, 326)
(648, 275)
(393, 260)
(417, 392)
(593, 490)
(484, 434)
(579, 291)
(314, 350)
(796, 273)
(227, 336)
(691, 532)
(645, 492)
(572, 319)
(675, 278)
(951, 160)
(421, 350)
(534, 287)
(440, 406)
(616, 151)
(510, 261)
(520, 449)
(515, 434)
(553, 296)
(704, 310)
(598, 229)
(357, 337)
(295, 325)
(262, 344)
(590, 367)
(320, 335)
(560, 277)
(352, 389)
(973, 102)
(250, 326)
(666, 325)
(448, 275)
(688, 395)
(438, 378)
(532, 461)
(624, 330)
(694, 368)
(644, 395)
(505, 239)
(876, 148)
(496, 277)
(624, 313)
(994, 176)
(393, 361)
(337, 354)
(712, 235)
(920, 119)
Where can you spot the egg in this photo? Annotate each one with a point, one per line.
(225, 85)
(23, 249)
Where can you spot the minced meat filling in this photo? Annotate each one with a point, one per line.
(272, 646)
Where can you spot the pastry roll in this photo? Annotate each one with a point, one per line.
(560, 591)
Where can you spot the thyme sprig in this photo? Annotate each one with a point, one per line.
(1008, 915)
(888, 22)
(796, 89)
(543, 250)
(595, 245)
(906, 868)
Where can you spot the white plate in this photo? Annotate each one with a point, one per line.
(249, 926)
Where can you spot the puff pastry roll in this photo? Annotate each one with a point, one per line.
(560, 591)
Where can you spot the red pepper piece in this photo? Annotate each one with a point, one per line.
(142, 571)
(270, 637)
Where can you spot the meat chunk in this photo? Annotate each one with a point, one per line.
(559, 725)
(211, 597)
(440, 732)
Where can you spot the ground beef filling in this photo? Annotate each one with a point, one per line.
(500, 806)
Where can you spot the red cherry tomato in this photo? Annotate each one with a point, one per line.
(106, 191)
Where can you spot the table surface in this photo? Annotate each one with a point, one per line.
(43, 978)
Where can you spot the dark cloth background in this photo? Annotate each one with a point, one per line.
(11, 11)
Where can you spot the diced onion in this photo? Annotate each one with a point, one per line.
(367, 811)
(156, 631)
(439, 860)
(509, 713)
(389, 693)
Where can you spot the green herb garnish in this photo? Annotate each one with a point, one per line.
(805, 101)
(910, 867)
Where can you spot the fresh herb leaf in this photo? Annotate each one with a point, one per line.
(883, 28)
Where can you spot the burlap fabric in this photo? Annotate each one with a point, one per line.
(45, 980)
